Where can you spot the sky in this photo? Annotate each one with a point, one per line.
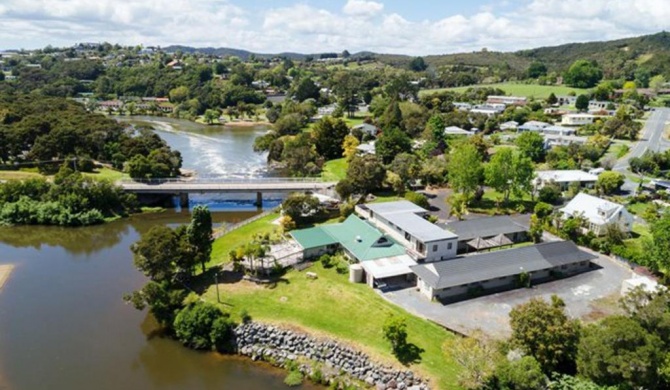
(413, 27)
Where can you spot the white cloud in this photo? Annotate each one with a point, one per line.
(358, 25)
(362, 8)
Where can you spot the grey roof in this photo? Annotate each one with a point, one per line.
(419, 227)
(403, 214)
(484, 227)
(498, 264)
(401, 206)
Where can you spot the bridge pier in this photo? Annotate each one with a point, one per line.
(183, 200)
(259, 200)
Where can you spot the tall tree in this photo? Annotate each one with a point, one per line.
(392, 118)
(620, 352)
(306, 89)
(391, 143)
(155, 252)
(328, 134)
(509, 172)
(465, 169)
(531, 145)
(477, 355)
(200, 234)
(583, 74)
(349, 147)
(418, 64)
(542, 330)
(582, 103)
(365, 174)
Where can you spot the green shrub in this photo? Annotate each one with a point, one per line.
(418, 199)
(327, 261)
(342, 268)
(194, 325)
(293, 379)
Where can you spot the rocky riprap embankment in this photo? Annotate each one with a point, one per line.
(278, 346)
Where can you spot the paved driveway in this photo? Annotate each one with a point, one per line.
(491, 313)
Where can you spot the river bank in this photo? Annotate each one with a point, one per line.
(65, 294)
(321, 360)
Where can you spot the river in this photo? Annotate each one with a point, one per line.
(63, 323)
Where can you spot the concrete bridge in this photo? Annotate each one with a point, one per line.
(183, 187)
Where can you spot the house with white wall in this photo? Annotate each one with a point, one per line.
(563, 178)
(598, 213)
(405, 222)
(577, 119)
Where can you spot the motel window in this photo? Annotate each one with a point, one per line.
(434, 248)
(449, 246)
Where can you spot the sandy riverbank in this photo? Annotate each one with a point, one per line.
(5, 271)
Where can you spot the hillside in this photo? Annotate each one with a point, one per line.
(618, 57)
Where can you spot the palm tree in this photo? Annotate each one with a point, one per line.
(458, 205)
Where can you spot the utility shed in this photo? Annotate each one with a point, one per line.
(496, 271)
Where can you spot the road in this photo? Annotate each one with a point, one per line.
(652, 138)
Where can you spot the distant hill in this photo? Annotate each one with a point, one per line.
(618, 57)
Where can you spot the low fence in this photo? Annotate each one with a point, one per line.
(228, 229)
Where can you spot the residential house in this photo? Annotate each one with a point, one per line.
(487, 233)
(511, 125)
(598, 213)
(405, 222)
(367, 128)
(500, 270)
(366, 148)
(564, 177)
(533, 126)
(454, 130)
(551, 140)
(488, 109)
(461, 106)
(558, 130)
(577, 119)
(507, 100)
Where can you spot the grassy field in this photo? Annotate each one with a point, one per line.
(241, 236)
(334, 170)
(488, 204)
(18, 175)
(334, 307)
(528, 90)
(107, 174)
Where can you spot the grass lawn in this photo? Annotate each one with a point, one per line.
(355, 121)
(106, 174)
(637, 208)
(381, 197)
(18, 175)
(334, 170)
(238, 237)
(528, 90)
(488, 204)
(332, 306)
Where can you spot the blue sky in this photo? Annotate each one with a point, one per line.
(418, 27)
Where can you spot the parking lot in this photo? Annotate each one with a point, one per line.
(587, 296)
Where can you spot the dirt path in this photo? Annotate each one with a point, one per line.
(5, 271)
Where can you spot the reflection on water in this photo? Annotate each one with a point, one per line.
(63, 324)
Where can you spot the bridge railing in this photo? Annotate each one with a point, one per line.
(219, 180)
